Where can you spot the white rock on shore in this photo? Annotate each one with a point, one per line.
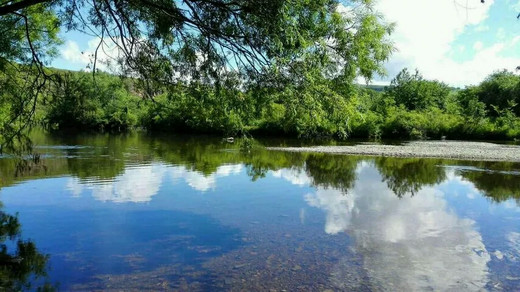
(431, 149)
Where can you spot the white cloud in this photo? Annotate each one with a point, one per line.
(107, 54)
(513, 240)
(485, 61)
(482, 28)
(470, 190)
(347, 11)
(74, 187)
(194, 179)
(409, 244)
(424, 37)
(338, 207)
(511, 204)
(140, 184)
(515, 40)
(72, 53)
(228, 169)
(516, 6)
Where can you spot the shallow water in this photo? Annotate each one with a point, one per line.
(192, 213)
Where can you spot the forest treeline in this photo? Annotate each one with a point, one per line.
(275, 67)
(411, 107)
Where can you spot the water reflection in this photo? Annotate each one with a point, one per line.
(293, 175)
(410, 175)
(513, 239)
(137, 184)
(408, 244)
(201, 161)
(24, 268)
(200, 182)
(338, 207)
(495, 185)
(342, 222)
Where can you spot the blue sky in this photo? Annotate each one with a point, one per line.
(459, 42)
(456, 41)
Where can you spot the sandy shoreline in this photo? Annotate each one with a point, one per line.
(429, 149)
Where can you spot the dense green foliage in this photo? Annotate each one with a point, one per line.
(212, 66)
(409, 175)
(411, 107)
(28, 40)
(229, 67)
(415, 93)
(78, 101)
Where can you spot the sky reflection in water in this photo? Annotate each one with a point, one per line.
(198, 218)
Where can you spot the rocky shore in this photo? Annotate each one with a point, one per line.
(429, 149)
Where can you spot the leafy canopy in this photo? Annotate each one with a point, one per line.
(299, 46)
(169, 39)
(416, 93)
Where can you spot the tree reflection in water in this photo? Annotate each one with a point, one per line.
(495, 185)
(105, 158)
(401, 225)
(410, 175)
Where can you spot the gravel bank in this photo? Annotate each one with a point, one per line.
(432, 149)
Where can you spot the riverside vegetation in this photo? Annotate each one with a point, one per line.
(229, 67)
(411, 107)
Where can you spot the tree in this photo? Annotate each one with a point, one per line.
(409, 176)
(272, 42)
(500, 91)
(416, 93)
(499, 187)
(202, 38)
(471, 108)
(80, 102)
(29, 38)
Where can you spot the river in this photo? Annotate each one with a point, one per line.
(135, 212)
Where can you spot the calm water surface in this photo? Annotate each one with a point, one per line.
(190, 213)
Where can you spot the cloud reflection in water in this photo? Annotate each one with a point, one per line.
(200, 182)
(408, 244)
(139, 184)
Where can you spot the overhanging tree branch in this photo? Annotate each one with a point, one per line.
(10, 8)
